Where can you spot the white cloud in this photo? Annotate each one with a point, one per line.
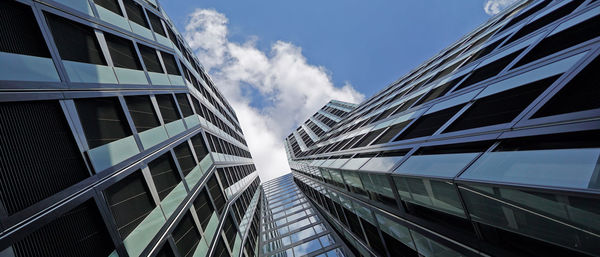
(289, 87)
(493, 7)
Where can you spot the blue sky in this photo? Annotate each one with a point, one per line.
(277, 62)
(366, 43)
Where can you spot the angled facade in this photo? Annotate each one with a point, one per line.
(489, 148)
(317, 126)
(113, 140)
(291, 226)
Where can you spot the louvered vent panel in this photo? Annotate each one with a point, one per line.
(75, 41)
(79, 232)
(23, 37)
(216, 193)
(142, 112)
(130, 202)
(111, 5)
(186, 236)
(38, 154)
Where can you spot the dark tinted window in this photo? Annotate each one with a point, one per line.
(165, 251)
(142, 112)
(489, 70)
(391, 132)
(428, 124)
(135, 12)
(547, 19)
(170, 63)
(440, 91)
(20, 31)
(122, 52)
(156, 23)
(75, 41)
(199, 146)
(184, 105)
(167, 107)
(150, 59)
(164, 174)
(186, 236)
(491, 110)
(130, 202)
(574, 35)
(525, 14)
(216, 193)
(580, 94)
(185, 158)
(204, 208)
(111, 5)
(102, 119)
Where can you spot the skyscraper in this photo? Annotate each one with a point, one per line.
(113, 140)
(292, 227)
(489, 148)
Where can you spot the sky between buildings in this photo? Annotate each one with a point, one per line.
(277, 62)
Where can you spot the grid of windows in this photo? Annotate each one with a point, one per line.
(290, 226)
(83, 152)
(472, 145)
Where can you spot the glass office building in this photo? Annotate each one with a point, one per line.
(489, 148)
(113, 140)
(292, 227)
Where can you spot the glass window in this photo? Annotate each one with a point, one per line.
(167, 107)
(79, 230)
(185, 158)
(560, 160)
(446, 165)
(24, 36)
(544, 20)
(164, 174)
(142, 112)
(397, 236)
(135, 13)
(384, 161)
(378, 187)
(217, 194)
(122, 52)
(563, 220)
(579, 94)
(75, 41)
(306, 233)
(204, 208)
(430, 248)
(130, 202)
(337, 178)
(102, 119)
(307, 247)
(428, 124)
(150, 59)
(492, 109)
(170, 63)
(438, 195)
(562, 39)
(353, 181)
(186, 235)
(111, 5)
(156, 24)
(184, 105)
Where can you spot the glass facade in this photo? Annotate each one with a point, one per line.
(114, 140)
(291, 226)
(489, 148)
